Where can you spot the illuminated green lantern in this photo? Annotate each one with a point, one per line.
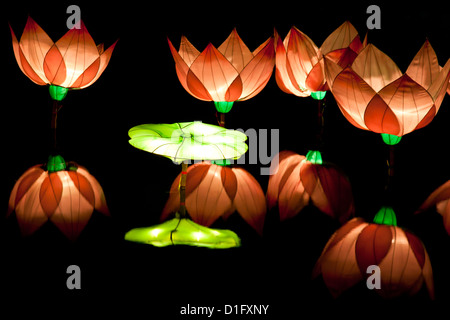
(318, 95)
(314, 156)
(390, 139)
(386, 215)
(182, 231)
(189, 141)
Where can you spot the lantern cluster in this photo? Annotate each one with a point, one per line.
(370, 90)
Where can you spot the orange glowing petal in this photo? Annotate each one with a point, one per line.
(24, 184)
(187, 51)
(258, 71)
(281, 167)
(99, 197)
(340, 38)
(95, 70)
(372, 245)
(313, 186)
(337, 263)
(408, 101)
(353, 95)
(73, 211)
(235, 51)
(83, 186)
(302, 55)
(282, 66)
(293, 196)
(229, 182)
(54, 66)
(22, 61)
(376, 68)
(217, 75)
(440, 85)
(79, 51)
(379, 117)
(401, 273)
(250, 201)
(315, 81)
(337, 190)
(424, 68)
(188, 80)
(51, 193)
(209, 200)
(24, 200)
(34, 44)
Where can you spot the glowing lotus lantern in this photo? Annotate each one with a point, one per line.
(401, 257)
(64, 193)
(300, 180)
(224, 75)
(373, 94)
(214, 191)
(73, 62)
(299, 62)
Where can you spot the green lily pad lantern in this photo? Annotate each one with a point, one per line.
(189, 141)
(182, 231)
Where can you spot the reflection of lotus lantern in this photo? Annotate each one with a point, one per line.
(65, 194)
(299, 180)
(374, 95)
(401, 257)
(214, 191)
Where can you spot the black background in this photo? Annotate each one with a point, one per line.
(140, 86)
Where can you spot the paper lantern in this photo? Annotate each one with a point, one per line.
(73, 62)
(401, 257)
(214, 191)
(189, 141)
(374, 95)
(179, 231)
(439, 198)
(65, 194)
(296, 182)
(299, 62)
(226, 74)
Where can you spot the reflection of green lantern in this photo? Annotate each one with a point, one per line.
(390, 139)
(314, 157)
(182, 231)
(386, 215)
(57, 93)
(318, 95)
